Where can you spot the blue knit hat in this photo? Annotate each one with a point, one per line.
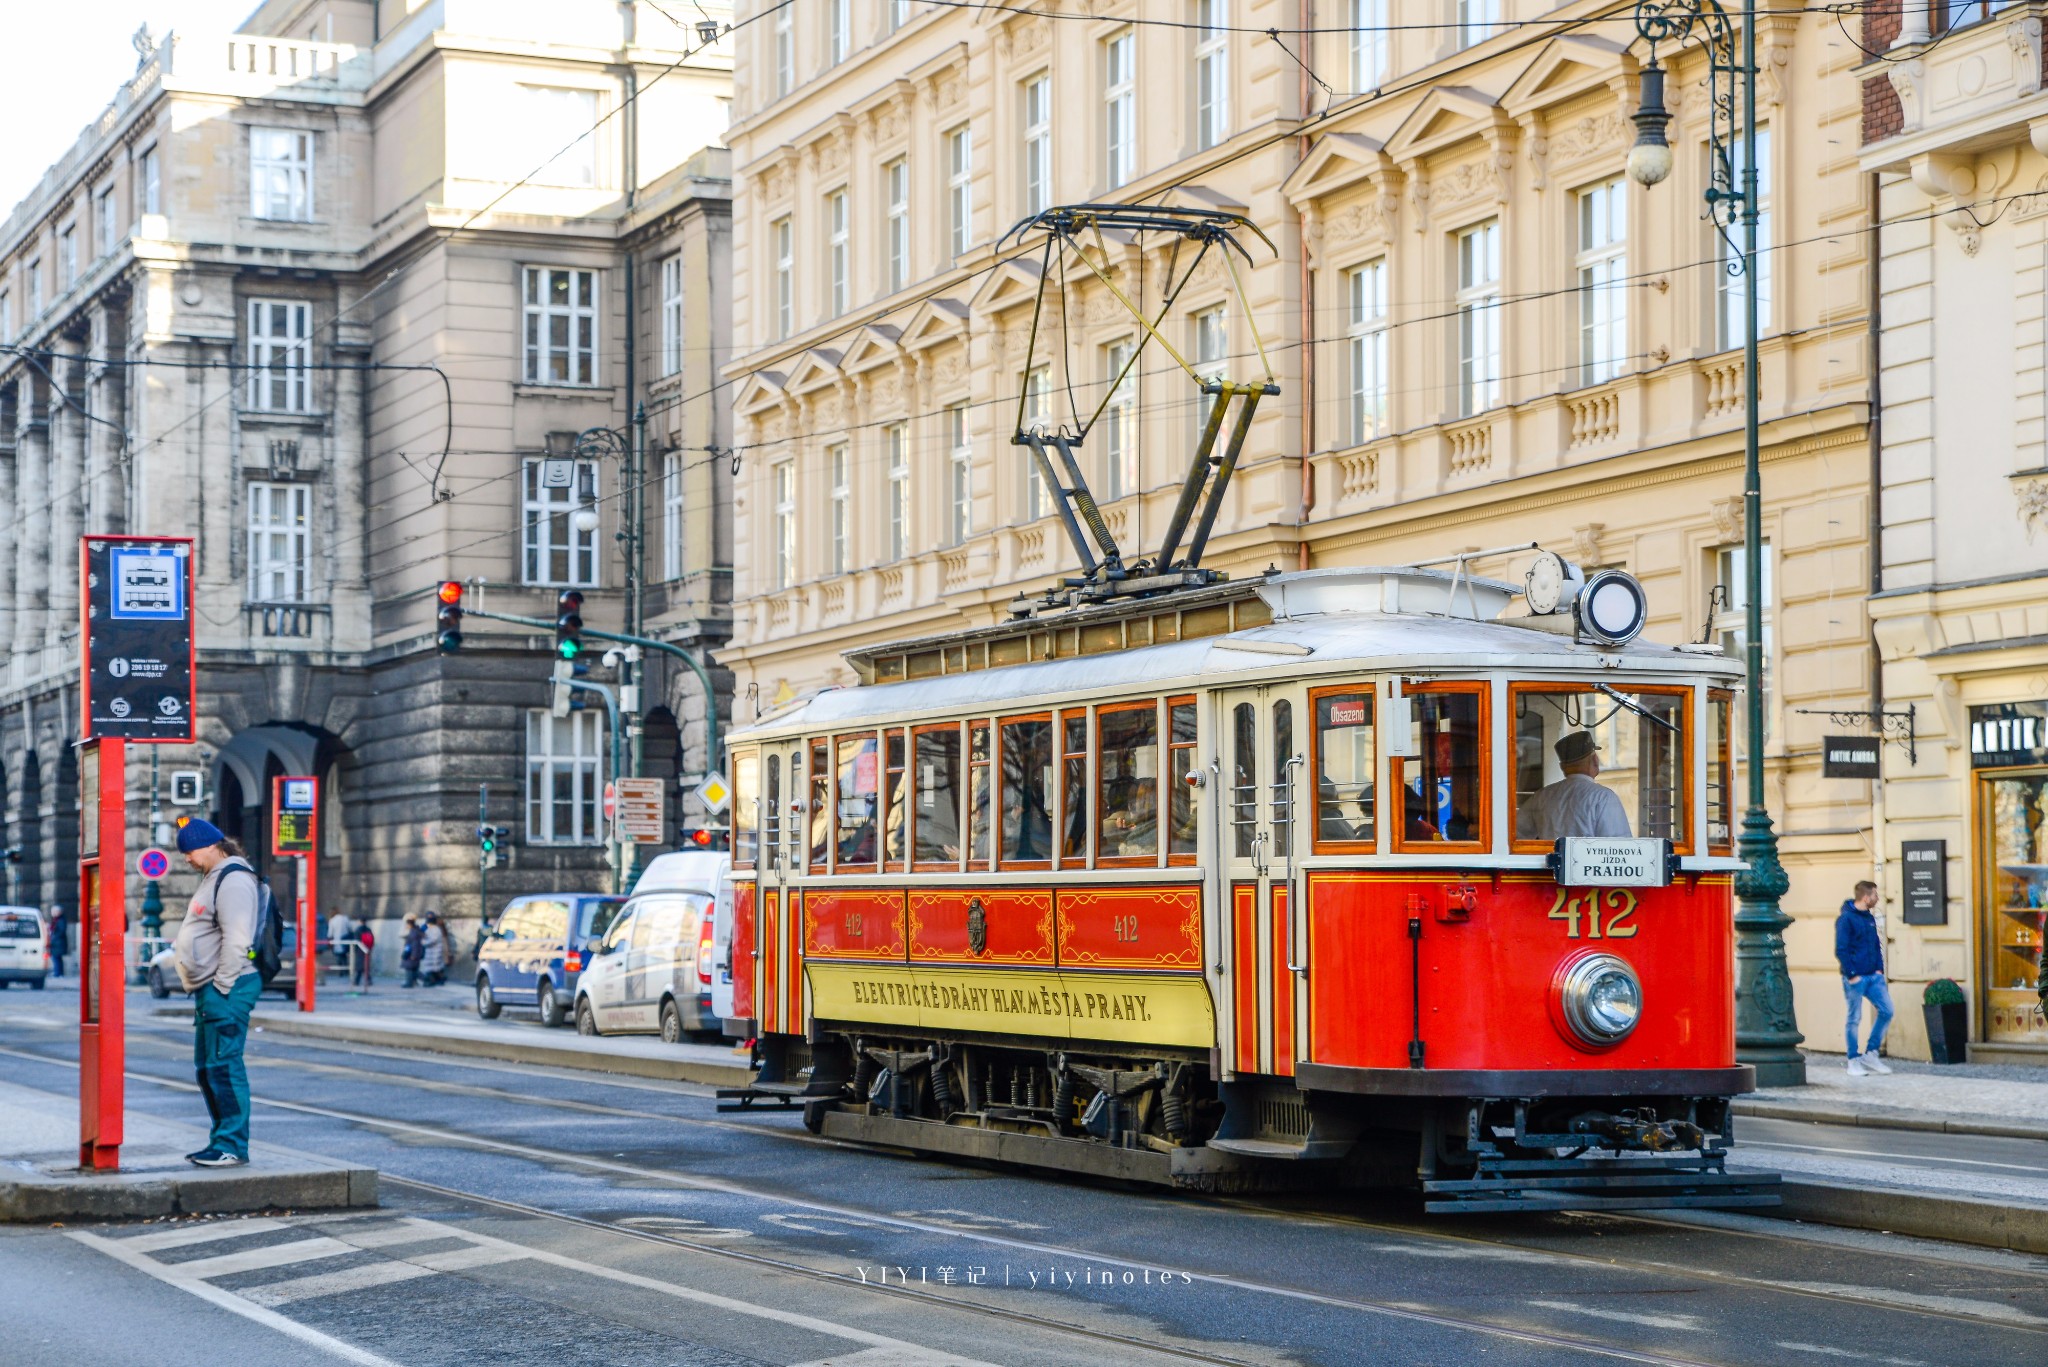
(197, 834)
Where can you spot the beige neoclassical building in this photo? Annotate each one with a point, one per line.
(1484, 335)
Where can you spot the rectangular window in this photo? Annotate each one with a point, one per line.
(977, 794)
(895, 13)
(1599, 764)
(785, 277)
(1037, 417)
(1182, 826)
(895, 801)
(1119, 422)
(151, 200)
(1720, 773)
(279, 339)
(746, 815)
(896, 449)
(281, 174)
(35, 288)
(1212, 72)
(1074, 789)
(67, 256)
(556, 553)
(1368, 44)
(896, 190)
(1208, 349)
(960, 187)
(1602, 267)
(280, 559)
(1442, 787)
(547, 117)
(672, 515)
(837, 460)
(561, 326)
(1730, 287)
(6, 316)
(821, 807)
(935, 797)
(855, 808)
(105, 229)
(1479, 318)
(1344, 757)
(564, 769)
(1119, 109)
(785, 50)
(1127, 750)
(835, 251)
(782, 477)
(1477, 20)
(1366, 309)
(672, 315)
(1025, 760)
(1730, 623)
(1037, 145)
(838, 30)
(961, 460)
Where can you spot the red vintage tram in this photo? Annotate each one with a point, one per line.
(1250, 883)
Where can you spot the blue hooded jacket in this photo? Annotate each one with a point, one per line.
(1856, 945)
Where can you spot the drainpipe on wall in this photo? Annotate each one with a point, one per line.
(1308, 312)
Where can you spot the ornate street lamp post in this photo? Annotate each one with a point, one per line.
(1766, 1034)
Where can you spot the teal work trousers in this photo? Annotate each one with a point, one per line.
(220, 1031)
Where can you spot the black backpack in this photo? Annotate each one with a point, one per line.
(266, 947)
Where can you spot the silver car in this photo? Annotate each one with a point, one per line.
(651, 973)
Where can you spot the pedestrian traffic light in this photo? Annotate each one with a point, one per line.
(569, 624)
(450, 617)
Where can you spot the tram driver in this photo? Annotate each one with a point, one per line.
(1577, 804)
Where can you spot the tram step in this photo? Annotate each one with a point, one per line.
(1600, 1185)
(1274, 1148)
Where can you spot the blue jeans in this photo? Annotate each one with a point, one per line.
(1871, 985)
(220, 1030)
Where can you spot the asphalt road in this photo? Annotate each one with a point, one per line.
(554, 1218)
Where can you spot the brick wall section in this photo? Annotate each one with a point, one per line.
(1883, 116)
(1881, 23)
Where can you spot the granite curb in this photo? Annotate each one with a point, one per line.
(2021, 1227)
(1995, 1127)
(276, 1180)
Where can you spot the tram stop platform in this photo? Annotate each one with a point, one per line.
(2007, 1101)
(40, 1180)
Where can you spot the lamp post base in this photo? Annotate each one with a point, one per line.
(1766, 1034)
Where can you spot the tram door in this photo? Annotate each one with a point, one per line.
(1261, 770)
(783, 827)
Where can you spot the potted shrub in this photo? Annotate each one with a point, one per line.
(1948, 1021)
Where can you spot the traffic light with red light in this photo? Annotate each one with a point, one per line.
(450, 617)
(707, 838)
(569, 624)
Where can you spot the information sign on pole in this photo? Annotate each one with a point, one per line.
(1926, 899)
(1850, 756)
(136, 596)
(294, 829)
(639, 816)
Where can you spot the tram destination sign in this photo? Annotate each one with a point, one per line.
(1584, 861)
(136, 593)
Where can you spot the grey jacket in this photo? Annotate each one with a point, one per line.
(220, 926)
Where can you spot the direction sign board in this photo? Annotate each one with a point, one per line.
(152, 863)
(1612, 861)
(639, 807)
(136, 593)
(714, 793)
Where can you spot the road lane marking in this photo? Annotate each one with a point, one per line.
(1953, 1305)
(892, 1357)
(1828, 1350)
(1690, 1323)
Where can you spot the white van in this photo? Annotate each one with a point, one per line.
(654, 971)
(24, 946)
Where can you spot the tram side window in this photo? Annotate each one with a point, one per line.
(977, 794)
(1443, 785)
(1720, 774)
(1345, 754)
(935, 806)
(746, 817)
(895, 800)
(1027, 790)
(1180, 757)
(1128, 758)
(771, 812)
(1283, 778)
(1599, 763)
(821, 806)
(1074, 791)
(1244, 779)
(855, 809)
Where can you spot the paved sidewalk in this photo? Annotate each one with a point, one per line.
(1970, 1098)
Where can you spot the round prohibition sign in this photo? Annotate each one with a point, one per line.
(152, 863)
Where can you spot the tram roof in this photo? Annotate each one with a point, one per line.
(1325, 622)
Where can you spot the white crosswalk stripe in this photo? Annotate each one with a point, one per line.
(271, 1255)
(179, 1236)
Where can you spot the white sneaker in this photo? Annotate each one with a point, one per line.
(1876, 1064)
(1857, 1068)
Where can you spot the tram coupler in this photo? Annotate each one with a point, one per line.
(1635, 1131)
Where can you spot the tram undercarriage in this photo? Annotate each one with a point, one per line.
(1164, 1121)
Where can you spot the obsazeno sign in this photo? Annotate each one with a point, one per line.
(136, 596)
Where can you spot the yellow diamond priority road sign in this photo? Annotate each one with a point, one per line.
(714, 793)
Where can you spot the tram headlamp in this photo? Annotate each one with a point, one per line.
(1612, 609)
(1599, 998)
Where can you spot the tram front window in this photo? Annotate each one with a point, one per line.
(746, 816)
(1128, 757)
(1443, 784)
(1598, 763)
(1344, 760)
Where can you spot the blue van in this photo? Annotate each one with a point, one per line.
(535, 952)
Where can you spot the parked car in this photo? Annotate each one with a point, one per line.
(24, 947)
(163, 971)
(536, 951)
(653, 973)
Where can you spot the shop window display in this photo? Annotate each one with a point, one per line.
(2016, 882)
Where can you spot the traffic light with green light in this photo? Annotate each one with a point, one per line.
(450, 617)
(569, 624)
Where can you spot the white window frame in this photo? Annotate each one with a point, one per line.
(553, 553)
(544, 113)
(35, 288)
(1366, 331)
(838, 31)
(782, 490)
(279, 353)
(1729, 624)
(672, 314)
(896, 452)
(104, 224)
(280, 542)
(580, 762)
(577, 351)
(839, 465)
(895, 14)
(1120, 422)
(1601, 270)
(281, 174)
(785, 276)
(1477, 252)
(1119, 109)
(1037, 416)
(1728, 302)
(896, 197)
(960, 186)
(1036, 96)
(1212, 72)
(960, 456)
(1478, 20)
(1369, 44)
(785, 50)
(6, 315)
(837, 264)
(67, 256)
(150, 201)
(1208, 342)
(672, 515)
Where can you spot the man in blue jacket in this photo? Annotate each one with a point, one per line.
(1861, 955)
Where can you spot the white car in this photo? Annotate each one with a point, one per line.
(652, 973)
(24, 947)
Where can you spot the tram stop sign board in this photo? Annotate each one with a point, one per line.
(137, 598)
(292, 816)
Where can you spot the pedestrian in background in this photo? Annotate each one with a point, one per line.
(434, 958)
(411, 949)
(1860, 953)
(215, 952)
(366, 940)
(341, 933)
(57, 941)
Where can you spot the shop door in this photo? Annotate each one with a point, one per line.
(1260, 774)
(2014, 808)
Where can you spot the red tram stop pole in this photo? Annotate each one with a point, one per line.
(294, 818)
(102, 937)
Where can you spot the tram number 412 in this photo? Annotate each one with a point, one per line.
(1125, 928)
(1587, 909)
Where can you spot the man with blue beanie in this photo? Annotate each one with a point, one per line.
(215, 956)
(1860, 953)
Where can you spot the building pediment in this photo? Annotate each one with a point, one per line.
(816, 369)
(1445, 117)
(1010, 285)
(936, 320)
(876, 344)
(1338, 161)
(1566, 68)
(763, 391)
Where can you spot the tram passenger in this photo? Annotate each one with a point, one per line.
(1130, 816)
(1575, 805)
